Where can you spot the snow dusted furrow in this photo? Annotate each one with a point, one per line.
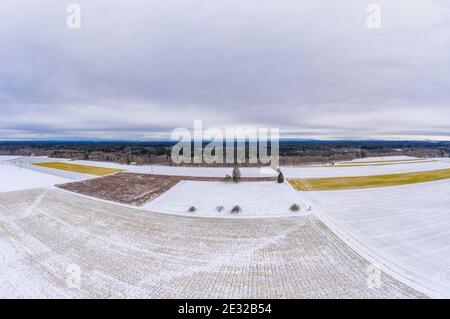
(123, 252)
(405, 229)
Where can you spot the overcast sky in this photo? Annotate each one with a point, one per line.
(139, 69)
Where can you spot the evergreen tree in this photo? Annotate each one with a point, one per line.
(236, 174)
(280, 178)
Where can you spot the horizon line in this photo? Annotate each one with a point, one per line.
(210, 140)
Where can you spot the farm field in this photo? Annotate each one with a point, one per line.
(136, 189)
(382, 159)
(341, 183)
(263, 199)
(265, 250)
(184, 170)
(125, 188)
(126, 253)
(14, 178)
(7, 158)
(405, 229)
(77, 168)
(380, 163)
(365, 170)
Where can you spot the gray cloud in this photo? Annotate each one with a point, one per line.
(138, 69)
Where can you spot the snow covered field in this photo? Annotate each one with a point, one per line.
(342, 171)
(261, 199)
(125, 253)
(405, 229)
(7, 158)
(14, 178)
(185, 170)
(28, 161)
(151, 169)
(386, 159)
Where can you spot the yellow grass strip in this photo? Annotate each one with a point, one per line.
(340, 183)
(83, 169)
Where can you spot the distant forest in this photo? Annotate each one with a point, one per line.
(291, 152)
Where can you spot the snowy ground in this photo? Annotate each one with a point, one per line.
(28, 161)
(405, 229)
(48, 235)
(34, 159)
(261, 199)
(14, 178)
(342, 171)
(7, 158)
(386, 159)
(125, 252)
(185, 170)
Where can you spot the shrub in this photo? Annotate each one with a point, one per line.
(219, 209)
(295, 207)
(236, 174)
(192, 209)
(236, 209)
(280, 178)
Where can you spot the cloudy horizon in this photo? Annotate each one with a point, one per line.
(136, 70)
